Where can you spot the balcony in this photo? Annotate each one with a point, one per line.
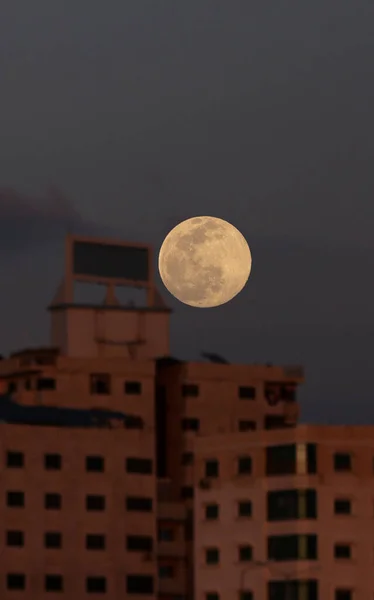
(172, 549)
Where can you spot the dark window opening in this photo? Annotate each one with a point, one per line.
(15, 581)
(290, 459)
(52, 462)
(95, 464)
(140, 584)
(165, 535)
(95, 541)
(12, 387)
(15, 539)
(342, 551)
(15, 499)
(52, 501)
(212, 512)
(342, 461)
(190, 390)
(288, 505)
(212, 468)
(211, 596)
(247, 392)
(45, 383)
(96, 585)
(166, 571)
(100, 384)
(142, 466)
(95, 502)
(138, 503)
(244, 465)
(292, 547)
(246, 595)
(190, 424)
(15, 460)
(247, 425)
(187, 492)
(245, 508)
(277, 422)
(139, 543)
(245, 553)
(53, 583)
(342, 506)
(187, 458)
(343, 594)
(27, 384)
(212, 556)
(294, 589)
(53, 540)
(133, 388)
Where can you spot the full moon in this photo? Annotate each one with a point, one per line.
(204, 262)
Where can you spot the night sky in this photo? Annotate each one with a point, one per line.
(146, 113)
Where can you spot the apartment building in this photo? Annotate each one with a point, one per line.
(285, 515)
(98, 433)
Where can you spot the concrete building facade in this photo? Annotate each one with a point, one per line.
(285, 515)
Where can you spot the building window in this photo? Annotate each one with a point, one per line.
(15, 581)
(247, 425)
(95, 502)
(288, 505)
(52, 462)
(295, 588)
(140, 584)
(342, 551)
(27, 384)
(187, 458)
(212, 556)
(139, 543)
(211, 512)
(272, 422)
(343, 594)
(15, 499)
(291, 459)
(244, 465)
(212, 468)
(53, 583)
(211, 596)
(95, 541)
(245, 508)
(165, 535)
(139, 503)
(166, 571)
(45, 383)
(245, 553)
(190, 390)
(14, 460)
(246, 595)
(133, 388)
(96, 585)
(342, 461)
(100, 384)
(52, 540)
(15, 539)
(246, 392)
(187, 492)
(342, 506)
(189, 424)
(12, 387)
(95, 464)
(292, 547)
(52, 501)
(142, 466)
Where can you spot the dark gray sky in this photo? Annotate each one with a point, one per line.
(146, 113)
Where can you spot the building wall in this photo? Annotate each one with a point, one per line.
(73, 561)
(229, 531)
